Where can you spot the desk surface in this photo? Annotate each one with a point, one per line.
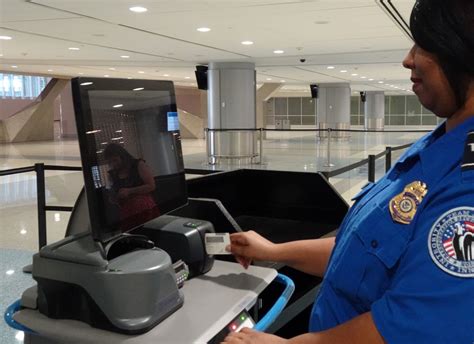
(211, 301)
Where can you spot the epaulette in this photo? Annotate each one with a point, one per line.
(468, 158)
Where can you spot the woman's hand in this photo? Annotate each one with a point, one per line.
(123, 193)
(248, 336)
(248, 246)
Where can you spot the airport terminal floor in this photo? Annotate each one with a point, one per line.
(284, 151)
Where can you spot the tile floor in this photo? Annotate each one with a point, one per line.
(18, 217)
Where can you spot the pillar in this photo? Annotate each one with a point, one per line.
(232, 105)
(374, 110)
(334, 105)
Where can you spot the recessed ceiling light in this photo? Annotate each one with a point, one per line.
(371, 79)
(278, 51)
(139, 89)
(363, 77)
(23, 232)
(74, 48)
(106, 76)
(5, 38)
(10, 272)
(380, 82)
(125, 56)
(1, 55)
(111, 68)
(14, 66)
(141, 72)
(331, 67)
(187, 77)
(269, 79)
(247, 42)
(354, 74)
(50, 70)
(117, 106)
(203, 29)
(138, 9)
(129, 77)
(86, 83)
(343, 71)
(80, 73)
(166, 75)
(282, 81)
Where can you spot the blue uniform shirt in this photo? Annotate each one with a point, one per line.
(417, 279)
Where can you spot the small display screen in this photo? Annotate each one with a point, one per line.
(131, 152)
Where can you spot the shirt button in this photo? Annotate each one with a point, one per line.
(374, 244)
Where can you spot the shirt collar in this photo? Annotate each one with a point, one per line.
(441, 150)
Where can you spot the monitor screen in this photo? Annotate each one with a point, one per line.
(131, 152)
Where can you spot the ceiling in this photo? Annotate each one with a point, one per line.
(357, 36)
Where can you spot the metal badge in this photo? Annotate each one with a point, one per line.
(403, 206)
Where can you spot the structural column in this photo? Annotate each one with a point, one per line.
(334, 105)
(374, 110)
(232, 105)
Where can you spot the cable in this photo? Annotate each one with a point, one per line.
(8, 316)
(279, 305)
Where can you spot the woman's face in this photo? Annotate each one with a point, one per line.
(115, 162)
(429, 82)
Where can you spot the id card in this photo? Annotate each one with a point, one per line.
(216, 243)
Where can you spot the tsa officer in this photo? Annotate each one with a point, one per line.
(401, 269)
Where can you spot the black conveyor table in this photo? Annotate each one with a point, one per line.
(211, 302)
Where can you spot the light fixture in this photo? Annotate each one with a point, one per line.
(166, 75)
(117, 106)
(50, 70)
(141, 72)
(129, 77)
(343, 71)
(10, 272)
(23, 232)
(14, 66)
(187, 77)
(380, 82)
(139, 89)
(331, 67)
(111, 68)
(269, 79)
(125, 56)
(74, 48)
(80, 73)
(354, 74)
(371, 79)
(1, 55)
(278, 51)
(138, 9)
(86, 83)
(203, 29)
(5, 38)
(106, 75)
(247, 42)
(57, 217)
(363, 77)
(282, 81)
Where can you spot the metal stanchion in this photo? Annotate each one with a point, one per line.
(371, 176)
(328, 163)
(261, 147)
(41, 204)
(388, 159)
(211, 160)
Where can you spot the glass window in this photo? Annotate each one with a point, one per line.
(397, 105)
(308, 105)
(295, 120)
(354, 105)
(413, 120)
(387, 105)
(413, 105)
(21, 86)
(294, 106)
(281, 107)
(308, 120)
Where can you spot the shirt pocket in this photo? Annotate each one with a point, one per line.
(369, 258)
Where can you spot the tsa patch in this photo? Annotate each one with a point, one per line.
(451, 242)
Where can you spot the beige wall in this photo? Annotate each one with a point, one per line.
(10, 106)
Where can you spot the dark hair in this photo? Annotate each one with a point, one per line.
(445, 28)
(114, 149)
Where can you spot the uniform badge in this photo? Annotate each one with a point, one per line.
(404, 205)
(451, 242)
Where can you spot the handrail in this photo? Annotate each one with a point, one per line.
(320, 130)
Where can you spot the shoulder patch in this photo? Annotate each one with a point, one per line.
(451, 242)
(468, 158)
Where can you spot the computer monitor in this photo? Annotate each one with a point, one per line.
(131, 152)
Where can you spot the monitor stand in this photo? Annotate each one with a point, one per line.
(126, 286)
